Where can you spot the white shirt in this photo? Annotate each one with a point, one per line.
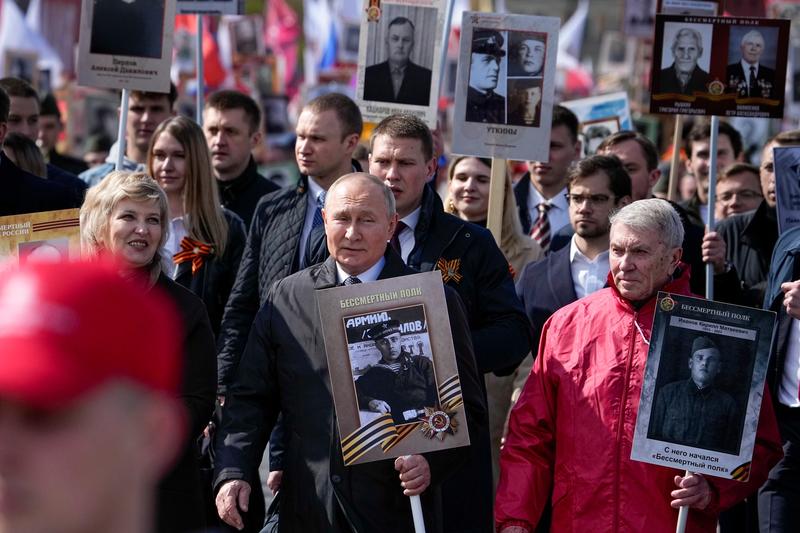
(558, 216)
(177, 231)
(790, 378)
(588, 275)
(371, 274)
(314, 190)
(406, 237)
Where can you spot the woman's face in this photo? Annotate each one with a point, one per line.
(469, 189)
(169, 164)
(135, 232)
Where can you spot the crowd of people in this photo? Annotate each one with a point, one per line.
(192, 344)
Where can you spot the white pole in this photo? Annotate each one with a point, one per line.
(448, 14)
(123, 124)
(416, 511)
(712, 198)
(199, 70)
(683, 513)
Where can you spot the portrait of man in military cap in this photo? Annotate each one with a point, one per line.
(400, 382)
(484, 104)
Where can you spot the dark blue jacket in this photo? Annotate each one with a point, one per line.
(25, 193)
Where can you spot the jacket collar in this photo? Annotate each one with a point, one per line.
(243, 180)
(679, 284)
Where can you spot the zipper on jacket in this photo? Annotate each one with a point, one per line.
(621, 423)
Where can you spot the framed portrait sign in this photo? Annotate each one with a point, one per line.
(392, 368)
(724, 66)
(211, 7)
(46, 236)
(600, 116)
(504, 91)
(786, 160)
(399, 57)
(688, 7)
(21, 64)
(703, 386)
(126, 45)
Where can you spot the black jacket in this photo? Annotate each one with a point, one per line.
(67, 163)
(72, 182)
(284, 369)
(242, 194)
(750, 239)
(668, 81)
(25, 193)
(415, 89)
(180, 500)
(213, 282)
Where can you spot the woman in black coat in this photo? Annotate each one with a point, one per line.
(205, 242)
(125, 216)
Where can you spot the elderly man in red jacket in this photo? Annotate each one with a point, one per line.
(571, 432)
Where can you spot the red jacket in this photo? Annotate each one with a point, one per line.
(570, 433)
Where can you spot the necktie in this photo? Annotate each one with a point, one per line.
(318, 213)
(751, 83)
(541, 229)
(351, 280)
(395, 240)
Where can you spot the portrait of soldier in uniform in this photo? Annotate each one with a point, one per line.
(399, 383)
(695, 411)
(483, 104)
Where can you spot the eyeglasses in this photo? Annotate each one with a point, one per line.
(747, 194)
(592, 199)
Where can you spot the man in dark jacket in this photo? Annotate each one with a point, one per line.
(398, 79)
(50, 127)
(23, 118)
(23, 192)
(232, 124)
(319, 493)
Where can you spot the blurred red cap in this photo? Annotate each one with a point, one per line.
(67, 328)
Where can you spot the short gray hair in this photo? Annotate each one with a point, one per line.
(388, 197)
(751, 34)
(696, 35)
(653, 214)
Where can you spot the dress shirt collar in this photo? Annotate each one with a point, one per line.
(746, 68)
(575, 252)
(371, 274)
(314, 189)
(412, 219)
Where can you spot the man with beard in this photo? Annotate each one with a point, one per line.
(596, 186)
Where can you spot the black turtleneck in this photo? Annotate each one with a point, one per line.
(241, 194)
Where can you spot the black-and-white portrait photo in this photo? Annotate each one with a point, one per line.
(685, 58)
(246, 34)
(486, 101)
(701, 395)
(751, 62)
(392, 364)
(526, 54)
(524, 102)
(400, 55)
(594, 132)
(47, 251)
(128, 28)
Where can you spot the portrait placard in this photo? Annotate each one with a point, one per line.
(639, 18)
(786, 160)
(506, 80)
(21, 64)
(688, 7)
(399, 57)
(703, 385)
(724, 66)
(600, 116)
(211, 7)
(126, 45)
(392, 368)
(47, 236)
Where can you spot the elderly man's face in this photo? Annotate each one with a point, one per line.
(531, 56)
(641, 263)
(400, 42)
(686, 51)
(752, 48)
(483, 70)
(357, 225)
(705, 366)
(389, 347)
(60, 471)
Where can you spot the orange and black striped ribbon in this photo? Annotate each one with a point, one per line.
(194, 251)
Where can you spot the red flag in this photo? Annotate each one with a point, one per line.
(214, 72)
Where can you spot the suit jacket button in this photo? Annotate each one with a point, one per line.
(336, 479)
